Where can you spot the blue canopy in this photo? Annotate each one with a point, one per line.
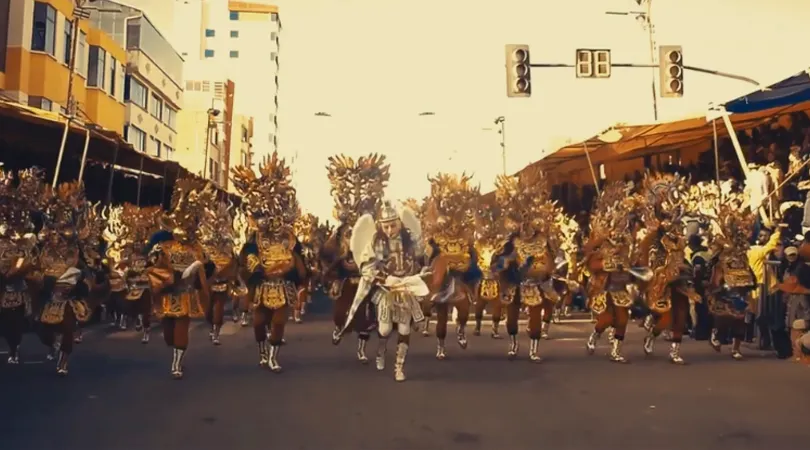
(788, 92)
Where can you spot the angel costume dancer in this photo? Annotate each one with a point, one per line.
(357, 188)
(388, 255)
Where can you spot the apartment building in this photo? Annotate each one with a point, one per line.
(36, 53)
(153, 85)
(244, 38)
(205, 124)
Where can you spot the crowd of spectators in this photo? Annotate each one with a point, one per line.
(779, 180)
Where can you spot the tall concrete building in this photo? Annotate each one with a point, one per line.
(244, 38)
(35, 52)
(153, 88)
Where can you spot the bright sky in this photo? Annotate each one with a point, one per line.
(374, 65)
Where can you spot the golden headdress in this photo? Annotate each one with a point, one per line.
(451, 207)
(65, 207)
(731, 239)
(270, 194)
(91, 225)
(216, 224)
(312, 234)
(185, 212)
(419, 208)
(129, 228)
(525, 201)
(16, 204)
(357, 186)
(613, 212)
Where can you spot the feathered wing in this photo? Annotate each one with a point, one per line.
(411, 222)
(362, 239)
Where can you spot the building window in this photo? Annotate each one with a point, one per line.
(135, 92)
(234, 54)
(234, 33)
(113, 64)
(169, 116)
(96, 69)
(39, 102)
(81, 55)
(5, 6)
(136, 137)
(274, 17)
(273, 36)
(167, 151)
(43, 38)
(68, 41)
(156, 107)
(209, 53)
(156, 146)
(209, 32)
(234, 15)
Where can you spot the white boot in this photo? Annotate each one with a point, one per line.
(514, 346)
(361, 350)
(264, 354)
(441, 351)
(273, 363)
(616, 352)
(649, 343)
(735, 349)
(544, 330)
(62, 364)
(399, 364)
(593, 339)
(382, 347)
(675, 353)
(534, 346)
(177, 363)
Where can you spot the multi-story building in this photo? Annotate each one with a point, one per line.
(244, 38)
(36, 53)
(154, 78)
(241, 148)
(205, 125)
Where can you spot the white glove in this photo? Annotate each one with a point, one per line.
(192, 269)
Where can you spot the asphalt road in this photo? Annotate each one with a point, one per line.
(119, 396)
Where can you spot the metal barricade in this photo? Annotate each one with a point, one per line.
(771, 309)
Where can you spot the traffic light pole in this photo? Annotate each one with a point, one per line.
(649, 66)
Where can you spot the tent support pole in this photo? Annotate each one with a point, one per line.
(736, 143)
(140, 179)
(112, 173)
(716, 153)
(593, 172)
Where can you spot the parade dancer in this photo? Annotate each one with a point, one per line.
(357, 189)
(273, 254)
(388, 253)
(176, 272)
(64, 293)
(17, 253)
(129, 228)
(526, 262)
(217, 238)
(94, 271)
(453, 260)
(670, 292)
(312, 236)
(489, 233)
(615, 262)
(732, 281)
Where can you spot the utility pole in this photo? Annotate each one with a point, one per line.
(79, 12)
(502, 122)
(645, 18)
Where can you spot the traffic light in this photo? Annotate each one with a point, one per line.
(518, 71)
(670, 60)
